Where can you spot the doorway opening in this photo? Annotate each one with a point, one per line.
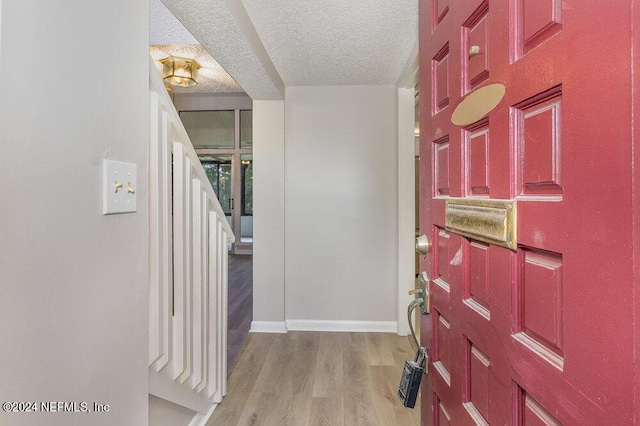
(223, 140)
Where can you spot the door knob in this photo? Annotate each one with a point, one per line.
(423, 245)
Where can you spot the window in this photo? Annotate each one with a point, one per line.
(218, 170)
(210, 129)
(247, 184)
(223, 140)
(246, 129)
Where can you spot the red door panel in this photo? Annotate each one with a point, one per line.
(542, 334)
(476, 154)
(475, 65)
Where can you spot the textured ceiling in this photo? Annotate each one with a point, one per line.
(223, 28)
(336, 42)
(165, 28)
(168, 37)
(265, 45)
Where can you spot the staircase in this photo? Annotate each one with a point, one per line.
(189, 237)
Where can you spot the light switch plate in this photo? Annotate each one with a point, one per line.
(119, 187)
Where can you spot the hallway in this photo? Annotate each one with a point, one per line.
(314, 378)
(240, 305)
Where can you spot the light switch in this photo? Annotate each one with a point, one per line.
(119, 187)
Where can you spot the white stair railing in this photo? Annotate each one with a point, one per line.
(188, 237)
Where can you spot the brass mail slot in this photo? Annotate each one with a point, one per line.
(490, 221)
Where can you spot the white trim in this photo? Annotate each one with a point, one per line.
(268, 327)
(408, 148)
(165, 388)
(244, 23)
(355, 326)
(202, 419)
(243, 251)
(409, 76)
(406, 205)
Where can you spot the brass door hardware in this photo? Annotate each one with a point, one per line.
(489, 221)
(423, 245)
(422, 290)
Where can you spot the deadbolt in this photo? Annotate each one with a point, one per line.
(423, 289)
(423, 245)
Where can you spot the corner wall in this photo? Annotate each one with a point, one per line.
(341, 229)
(268, 216)
(73, 308)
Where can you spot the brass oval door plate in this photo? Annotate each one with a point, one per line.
(477, 104)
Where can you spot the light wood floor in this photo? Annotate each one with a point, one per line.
(312, 378)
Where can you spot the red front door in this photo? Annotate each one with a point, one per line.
(541, 332)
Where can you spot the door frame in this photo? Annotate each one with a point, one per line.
(236, 176)
(406, 91)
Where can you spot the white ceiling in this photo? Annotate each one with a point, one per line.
(265, 45)
(336, 42)
(165, 28)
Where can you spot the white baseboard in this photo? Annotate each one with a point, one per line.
(324, 325)
(202, 419)
(243, 251)
(268, 327)
(354, 326)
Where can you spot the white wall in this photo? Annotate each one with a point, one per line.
(341, 203)
(74, 283)
(268, 216)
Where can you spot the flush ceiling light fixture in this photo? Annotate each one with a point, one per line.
(180, 71)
